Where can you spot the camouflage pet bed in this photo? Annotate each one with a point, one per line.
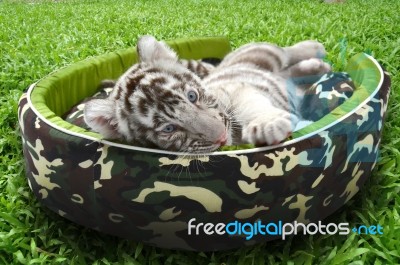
(160, 198)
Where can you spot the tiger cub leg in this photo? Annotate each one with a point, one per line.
(260, 121)
(261, 56)
(304, 50)
(271, 58)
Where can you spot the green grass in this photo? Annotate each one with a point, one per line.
(39, 37)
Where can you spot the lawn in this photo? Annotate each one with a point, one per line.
(38, 37)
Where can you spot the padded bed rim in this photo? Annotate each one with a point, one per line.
(252, 150)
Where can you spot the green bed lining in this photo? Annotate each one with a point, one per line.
(57, 93)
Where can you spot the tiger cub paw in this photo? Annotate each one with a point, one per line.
(310, 49)
(313, 66)
(269, 130)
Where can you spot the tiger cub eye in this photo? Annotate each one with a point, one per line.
(192, 96)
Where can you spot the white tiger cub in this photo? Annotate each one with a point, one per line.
(252, 96)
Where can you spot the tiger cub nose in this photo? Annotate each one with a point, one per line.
(222, 139)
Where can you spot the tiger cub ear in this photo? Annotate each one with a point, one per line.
(99, 115)
(150, 50)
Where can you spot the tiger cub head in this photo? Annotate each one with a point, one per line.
(160, 103)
